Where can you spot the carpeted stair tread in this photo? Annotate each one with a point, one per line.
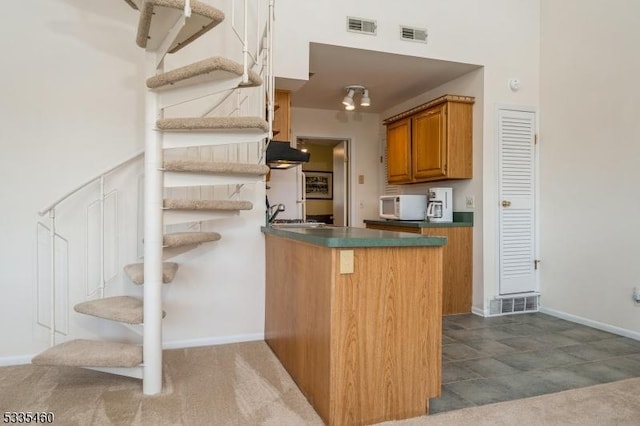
(185, 204)
(213, 123)
(91, 353)
(125, 309)
(200, 72)
(178, 239)
(196, 166)
(135, 272)
(203, 18)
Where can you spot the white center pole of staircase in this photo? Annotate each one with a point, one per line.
(102, 196)
(153, 230)
(52, 255)
(245, 44)
(270, 77)
(187, 8)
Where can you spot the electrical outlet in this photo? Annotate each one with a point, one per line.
(470, 202)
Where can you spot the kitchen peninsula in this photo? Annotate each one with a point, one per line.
(354, 315)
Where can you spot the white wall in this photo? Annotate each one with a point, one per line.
(589, 159)
(363, 131)
(70, 108)
(72, 102)
(501, 35)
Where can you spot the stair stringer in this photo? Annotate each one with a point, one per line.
(134, 372)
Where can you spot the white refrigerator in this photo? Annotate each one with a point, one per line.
(285, 187)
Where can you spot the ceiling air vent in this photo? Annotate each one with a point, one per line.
(362, 26)
(413, 34)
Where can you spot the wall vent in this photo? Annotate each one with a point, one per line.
(362, 26)
(413, 34)
(514, 305)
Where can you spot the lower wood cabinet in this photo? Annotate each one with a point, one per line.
(457, 264)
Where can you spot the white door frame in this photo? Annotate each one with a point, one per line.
(350, 163)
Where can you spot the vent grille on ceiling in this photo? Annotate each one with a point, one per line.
(413, 34)
(363, 26)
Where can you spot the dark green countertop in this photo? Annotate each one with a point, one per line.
(460, 219)
(330, 236)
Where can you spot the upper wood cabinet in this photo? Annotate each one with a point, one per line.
(282, 116)
(399, 151)
(431, 142)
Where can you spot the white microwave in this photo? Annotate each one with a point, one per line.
(403, 207)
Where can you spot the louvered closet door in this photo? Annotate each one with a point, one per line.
(517, 201)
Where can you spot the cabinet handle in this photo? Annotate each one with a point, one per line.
(506, 203)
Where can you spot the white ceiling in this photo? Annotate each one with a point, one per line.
(390, 78)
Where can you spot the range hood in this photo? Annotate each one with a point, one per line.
(280, 155)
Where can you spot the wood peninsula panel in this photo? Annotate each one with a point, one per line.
(363, 347)
(299, 278)
(387, 335)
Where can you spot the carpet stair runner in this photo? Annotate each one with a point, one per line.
(185, 211)
(91, 353)
(125, 309)
(179, 173)
(135, 272)
(200, 79)
(163, 28)
(157, 19)
(186, 132)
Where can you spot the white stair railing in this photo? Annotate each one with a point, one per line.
(50, 211)
(153, 187)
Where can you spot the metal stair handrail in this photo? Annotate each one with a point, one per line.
(88, 182)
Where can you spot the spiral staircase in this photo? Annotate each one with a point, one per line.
(165, 27)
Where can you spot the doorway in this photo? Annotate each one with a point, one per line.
(326, 179)
(517, 191)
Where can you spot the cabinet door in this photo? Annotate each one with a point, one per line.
(398, 151)
(429, 137)
(282, 116)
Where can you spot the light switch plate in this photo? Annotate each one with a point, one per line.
(346, 261)
(470, 202)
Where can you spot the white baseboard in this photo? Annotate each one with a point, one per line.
(212, 341)
(590, 323)
(479, 311)
(175, 344)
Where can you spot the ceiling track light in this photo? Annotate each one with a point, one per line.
(348, 100)
(351, 90)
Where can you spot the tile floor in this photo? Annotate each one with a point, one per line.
(486, 360)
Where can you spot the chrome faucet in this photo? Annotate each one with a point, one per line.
(272, 211)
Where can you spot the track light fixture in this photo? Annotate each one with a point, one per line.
(348, 100)
(351, 90)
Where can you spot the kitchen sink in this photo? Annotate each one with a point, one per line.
(298, 224)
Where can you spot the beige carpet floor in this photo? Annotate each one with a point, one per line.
(244, 384)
